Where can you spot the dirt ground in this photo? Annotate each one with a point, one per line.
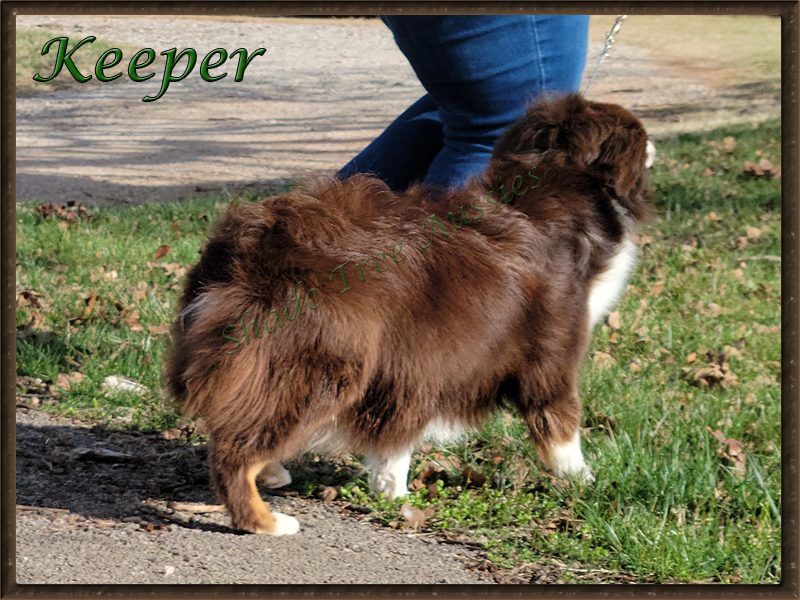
(324, 89)
(104, 506)
(96, 510)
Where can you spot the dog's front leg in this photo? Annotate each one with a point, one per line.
(565, 459)
(389, 474)
(556, 432)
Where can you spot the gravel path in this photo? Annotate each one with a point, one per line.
(324, 89)
(95, 521)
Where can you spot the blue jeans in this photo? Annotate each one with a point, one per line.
(480, 72)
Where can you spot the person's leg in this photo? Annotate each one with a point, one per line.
(480, 73)
(405, 150)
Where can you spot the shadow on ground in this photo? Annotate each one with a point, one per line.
(109, 474)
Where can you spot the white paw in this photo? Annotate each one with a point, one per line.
(285, 525)
(582, 473)
(389, 475)
(387, 483)
(568, 461)
(274, 476)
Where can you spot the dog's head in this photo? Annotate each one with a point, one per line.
(603, 141)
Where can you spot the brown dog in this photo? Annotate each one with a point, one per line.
(375, 320)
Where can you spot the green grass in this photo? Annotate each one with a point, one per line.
(668, 505)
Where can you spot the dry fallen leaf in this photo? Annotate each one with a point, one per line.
(416, 517)
(614, 320)
(753, 233)
(433, 490)
(692, 357)
(711, 375)
(602, 359)
(728, 144)
(139, 292)
(708, 172)
(752, 169)
(762, 168)
(31, 298)
(133, 321)
(158, 329)
(451, 462)
(416, 485)
(639, 314)
(734, 452)
(429, 472)
(90, 301)
(171, 269)
(768, 330)
(71, 211)
(326, 493)
(162, 251)
(193, 507)
(732, 351)
(171, 434)
(472, 478)
(763, 380)
(64, 381)
(658, 287)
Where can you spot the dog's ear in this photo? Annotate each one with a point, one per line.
(603, 140)
(611, 143)
(570, 128)
(621, 159)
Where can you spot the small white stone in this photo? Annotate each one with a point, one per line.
(168, 570)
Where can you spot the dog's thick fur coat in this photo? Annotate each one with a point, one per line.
(499, 311)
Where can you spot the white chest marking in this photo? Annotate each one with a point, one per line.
(608, 286)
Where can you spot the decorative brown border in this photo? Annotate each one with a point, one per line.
(790, 75)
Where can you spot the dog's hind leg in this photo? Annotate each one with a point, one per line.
(274, 475)
(389, 474)
(236, 486)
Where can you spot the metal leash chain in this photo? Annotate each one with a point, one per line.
(609, 42)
